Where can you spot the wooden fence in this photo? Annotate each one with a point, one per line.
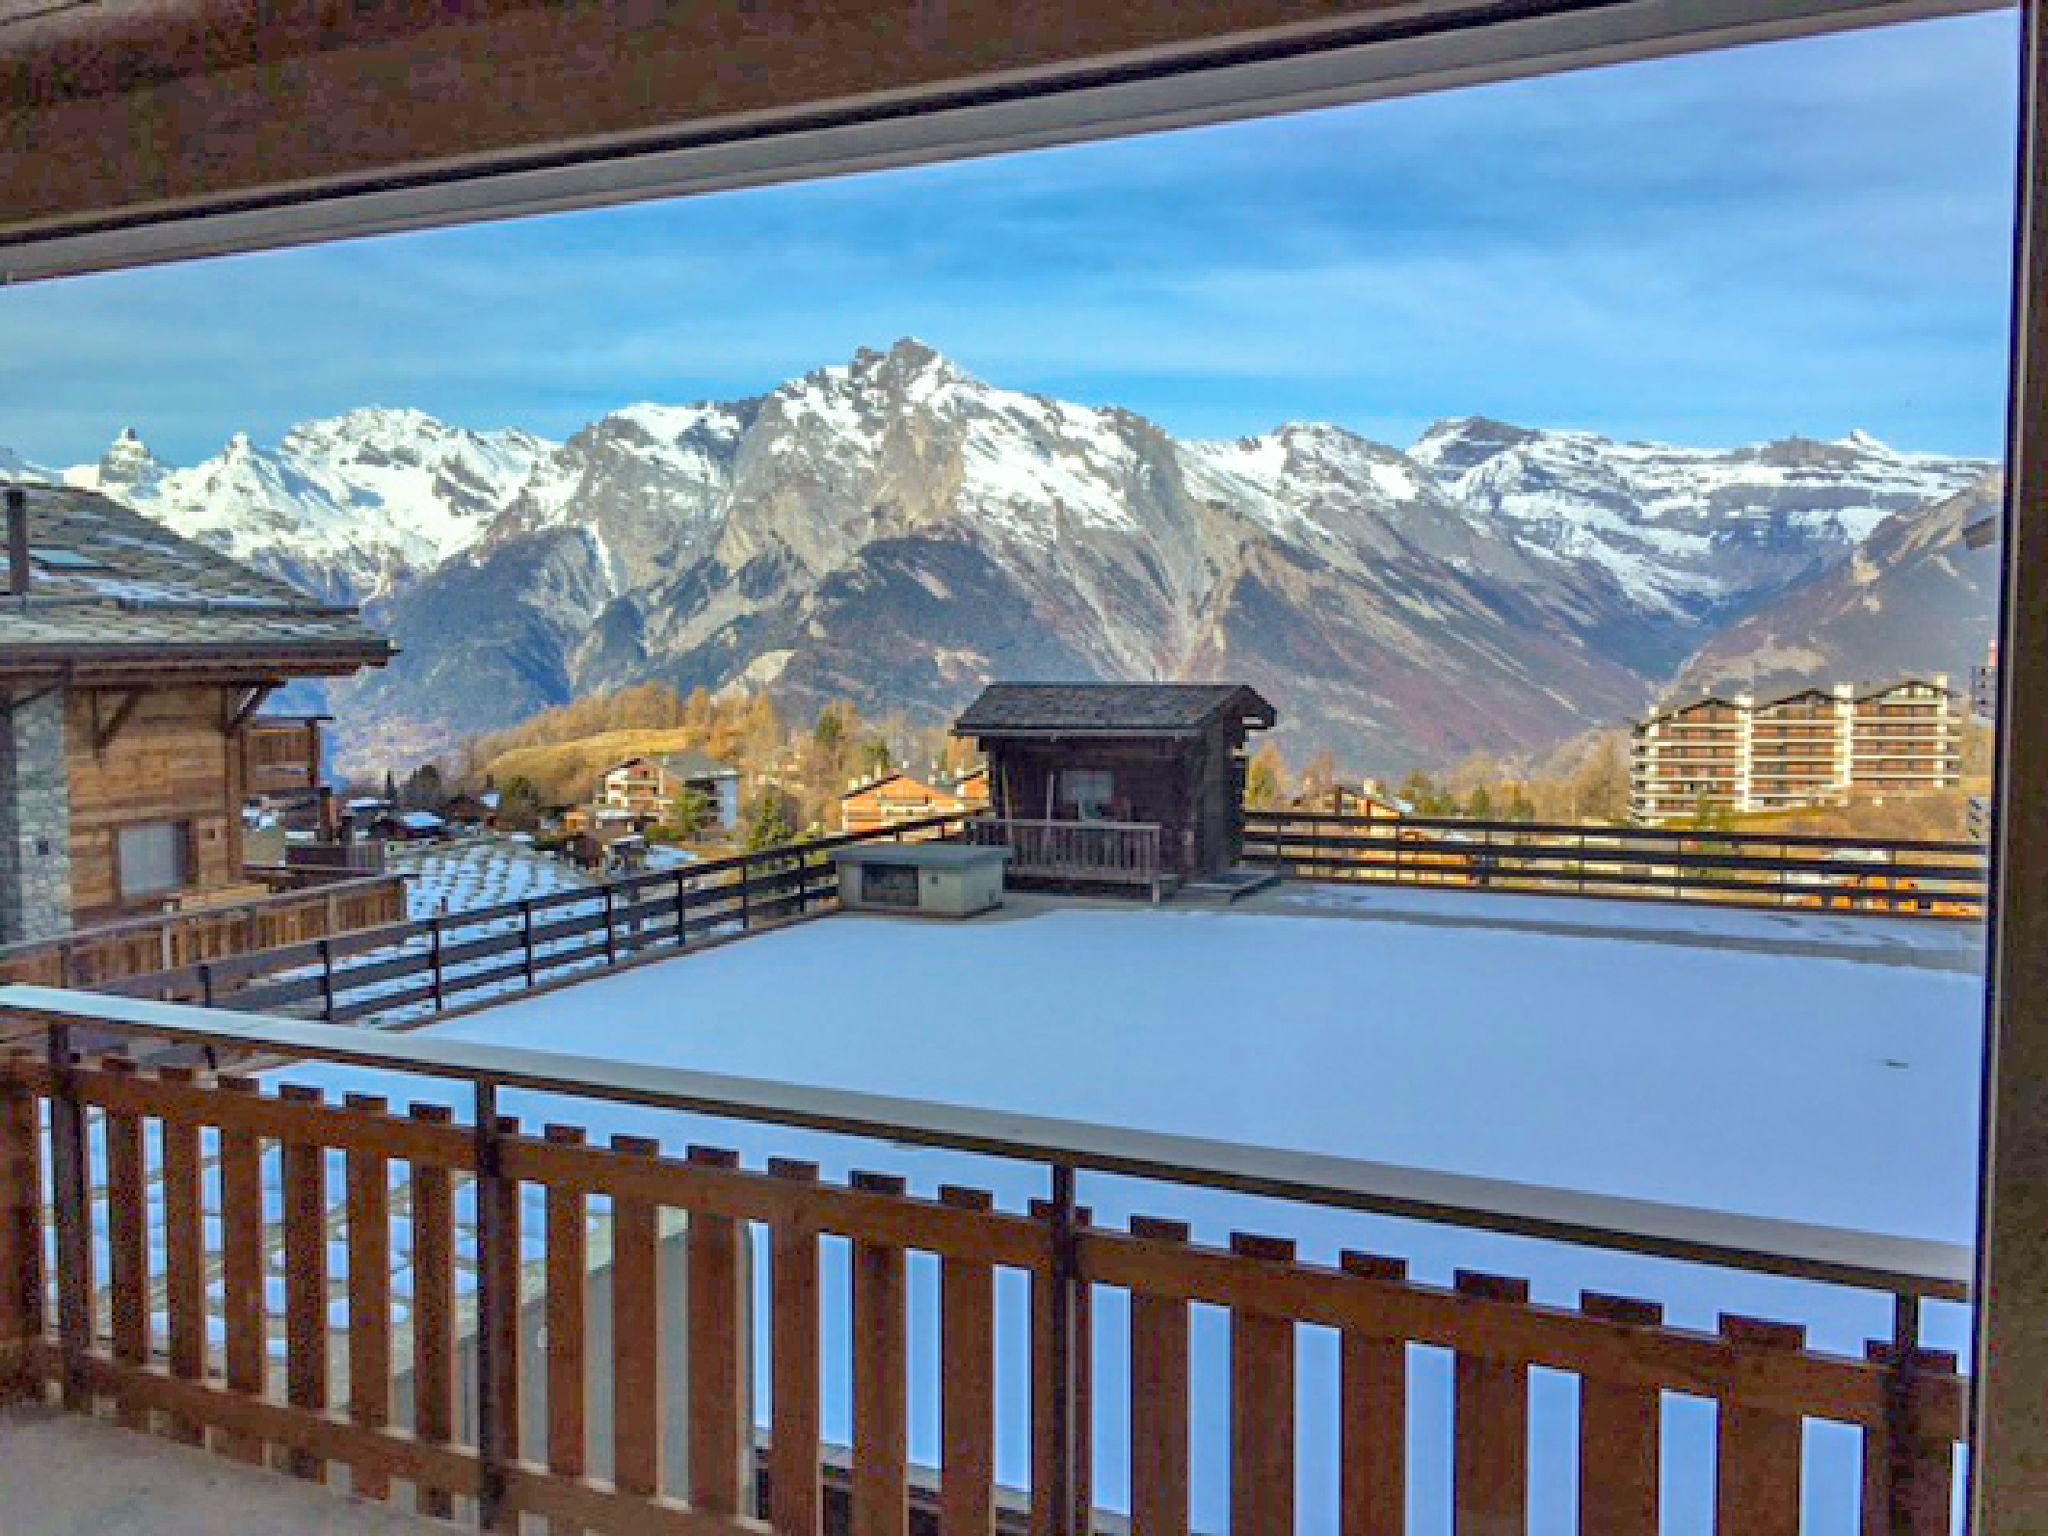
(138, 1338)
(1083, 852)
(1895, 877)
(426, 965)
(111, 952)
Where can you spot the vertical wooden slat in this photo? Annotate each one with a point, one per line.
(1159, 1398)
(184, 1243)
(568, 1273)
(1373, 1454)
(498, 1261)
(369, 1289)
(636, 1334)
(433, 1311)
(304, 1173)
(127, 1244)
(967, 1350)
(1909, 1461)
(21, 1213)
(1620, 1436)
(1261, 1407)
(1757, 1487)
(1048, 1382)
(241, 1260)
(720, 1424)
(794, 1494)
(1491, 1428)
(881, 1490)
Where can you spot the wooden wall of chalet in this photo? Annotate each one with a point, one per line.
(169, 760)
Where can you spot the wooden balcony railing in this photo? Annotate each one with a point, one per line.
(1887, 876)
(1083, 852)
(350, 1194)
(113, 952)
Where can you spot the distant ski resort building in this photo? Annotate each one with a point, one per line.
(1817, 746)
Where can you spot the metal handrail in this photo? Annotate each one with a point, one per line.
(1902, 1267)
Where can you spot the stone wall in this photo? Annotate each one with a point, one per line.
(35, 820)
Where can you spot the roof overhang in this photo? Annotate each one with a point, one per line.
(540, 108)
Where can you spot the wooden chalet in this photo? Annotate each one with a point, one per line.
(897, 797)
(1116, 783)
(133, 664)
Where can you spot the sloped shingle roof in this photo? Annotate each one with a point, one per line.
(109, 585)
(1107, 708)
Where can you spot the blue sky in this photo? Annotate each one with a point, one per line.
(1805, 237)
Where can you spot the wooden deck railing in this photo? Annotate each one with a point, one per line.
(427, 965)
(1085, 852)
(162, 1345)
(111, 952)
(1893, 877)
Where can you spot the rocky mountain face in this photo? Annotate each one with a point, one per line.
(1919, 595)
(898, 532)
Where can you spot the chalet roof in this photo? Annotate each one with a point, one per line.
(1879, 690)
(1109, 709)
(111, 589)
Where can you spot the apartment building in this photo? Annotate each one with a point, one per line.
(1816, 746)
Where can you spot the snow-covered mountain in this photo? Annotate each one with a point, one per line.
(1918, 596)
(347, 507)
(897, 531)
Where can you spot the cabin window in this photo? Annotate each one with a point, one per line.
(1087, 791)
(154, 858)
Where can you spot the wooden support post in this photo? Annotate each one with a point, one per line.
(434, 944)
(21, 1219)
(327, 979)
(2009, 1431)
(70, 1197)
(746, 893)
(526, 937)
(497, 1310)
(611, 931)
(1061, 1489)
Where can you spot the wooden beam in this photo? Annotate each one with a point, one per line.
(2009, 1459)
(252, 701)
(104, 731)
(189, 132)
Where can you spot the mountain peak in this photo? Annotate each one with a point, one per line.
(1456, 444)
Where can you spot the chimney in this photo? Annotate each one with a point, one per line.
(17, 541)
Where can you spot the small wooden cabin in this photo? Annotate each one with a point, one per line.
(133, 663)
(1144, 765)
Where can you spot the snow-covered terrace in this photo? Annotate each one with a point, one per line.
(1805, 1067)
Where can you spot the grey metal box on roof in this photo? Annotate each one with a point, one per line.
(934, 879)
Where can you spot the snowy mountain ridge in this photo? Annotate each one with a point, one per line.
(897, 530)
